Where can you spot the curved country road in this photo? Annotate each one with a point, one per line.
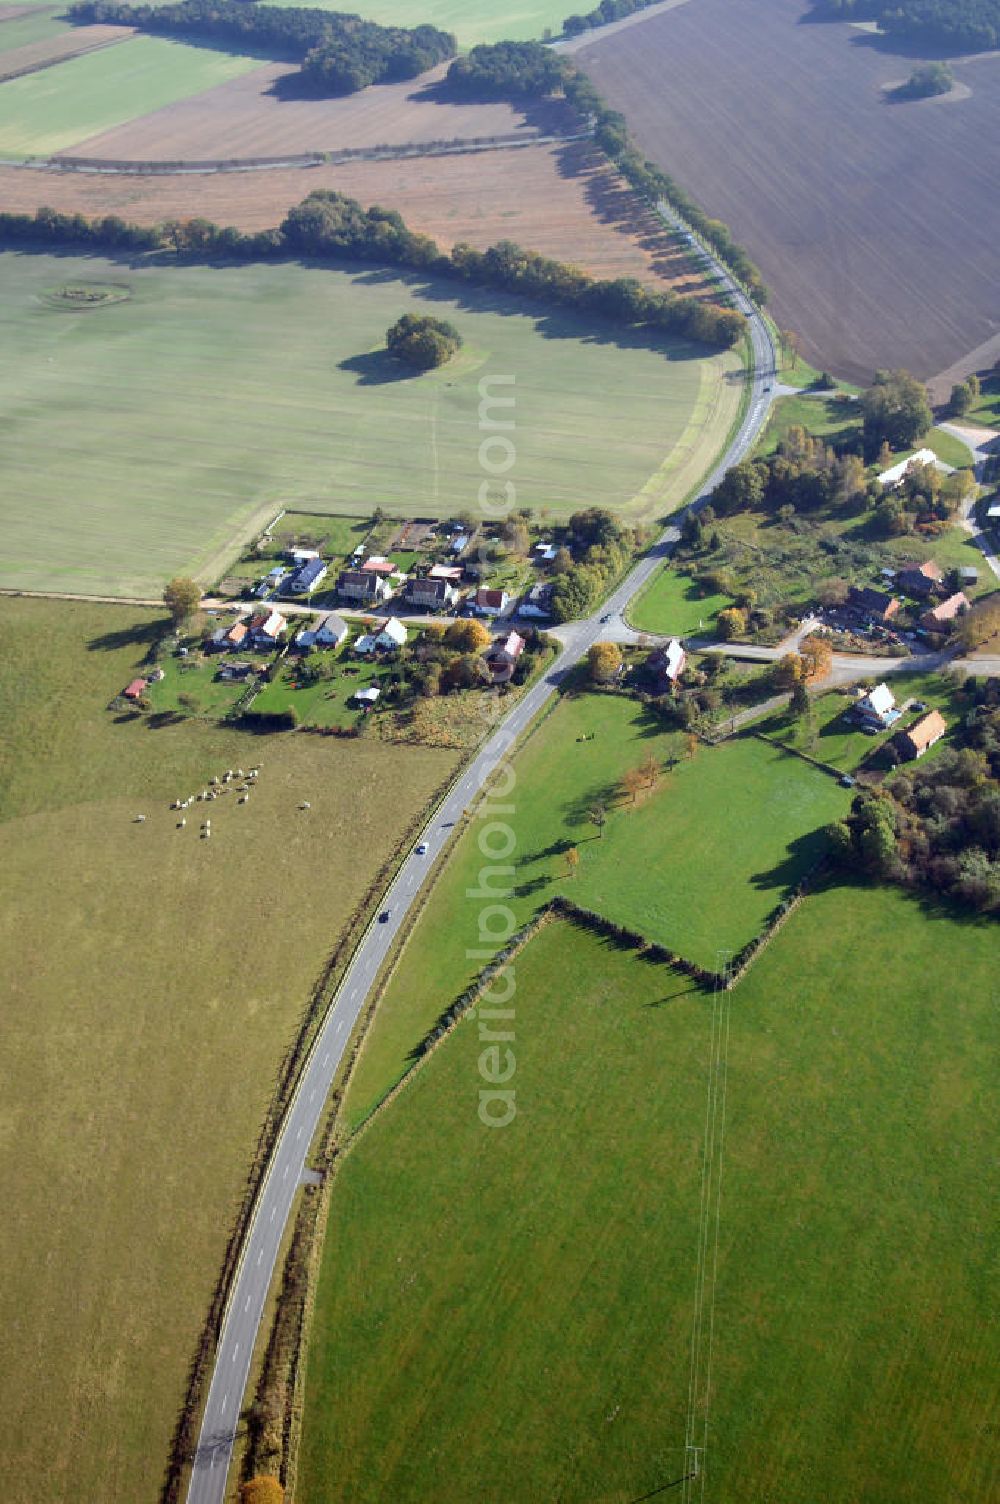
(284, 1173)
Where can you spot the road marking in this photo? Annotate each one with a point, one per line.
(326, 1057)
(312, 1095)
(225, 1402)
(272, 1213)
(284, 1173)
(260, 1256)
(299, 1134)
(247, 1306)
(235, 1351)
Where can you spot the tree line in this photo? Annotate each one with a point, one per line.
(607, 11)
(958, 25)
(329, 225)
(520, 70)
(338, 53)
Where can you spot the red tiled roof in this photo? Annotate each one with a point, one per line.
(135, 689)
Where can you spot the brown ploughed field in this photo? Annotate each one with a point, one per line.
(261, 115)
(562, 201)
(56, 49)
(875, 224)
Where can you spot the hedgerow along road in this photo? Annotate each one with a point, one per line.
(277, 1195)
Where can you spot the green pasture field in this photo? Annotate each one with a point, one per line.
(471, 21)
(152, 983)
(673, 602)
(986, 408)
(176, 423)
(697, 864)
(59, 107)
(842, 744)
(517, 1305)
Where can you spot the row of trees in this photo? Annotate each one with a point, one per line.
(599, 548)
(329, 225)
(519, 70)
(937, 826)
(958, 25)
(339, 53)
(607, 11)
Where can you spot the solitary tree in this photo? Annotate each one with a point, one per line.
(597, 814)
(799, 702)
(650, 770)
(181, 598)
(604, 660)
(572, 861)
(692, 743)
(817, 656)
(467, 636)
(423, 342)
(632, 781)
(262, 1490)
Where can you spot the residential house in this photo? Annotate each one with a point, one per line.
(666, 664)
(940, 617)
(392, 636)
(544, 553)
(968, 575)
(537, 602)
(877, 709)
(993, 511)
(502, 655)
(450, 572)
(301, 555)
(225, 638)
(307, 578)
(490, 602)
(892, 477)
(367, 697)
(265, 628)
(362, 585)
(920, 579)
(915, 741)
(271, 582)
(872, 605)
(329, 632)
(458, 544)
(135, 690)
(237, 670)
(432, 594)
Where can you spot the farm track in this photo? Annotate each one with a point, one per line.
(36, 56)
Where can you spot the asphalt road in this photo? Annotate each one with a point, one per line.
(284, 1174)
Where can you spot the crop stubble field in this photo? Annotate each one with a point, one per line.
(152, 983)
(53, 46)
(875, 224)
(517, 1305)
(562, 201)
(183, 423)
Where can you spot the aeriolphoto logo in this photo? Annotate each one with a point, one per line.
(496, 838)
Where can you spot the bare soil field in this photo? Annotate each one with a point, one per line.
(875, 223)
(56, 49)
(563, 201)
(262, 114)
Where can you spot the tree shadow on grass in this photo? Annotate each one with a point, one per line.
(801, 854)
(162, 718)
(136, 635)
(376, 368)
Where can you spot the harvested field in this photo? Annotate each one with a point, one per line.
(858, 211)
(563, 201)
(262, 115)
(72, 43)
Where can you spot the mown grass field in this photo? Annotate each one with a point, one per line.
(508, 1314)
(175, 423)
(471, 21)
(36, 26)
(54, 109)
(152, 984)
(697, 864)
(675, 603)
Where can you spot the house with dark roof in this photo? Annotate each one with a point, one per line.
(666, 665)
(307, 577)
(872, 605)
(431, 594)
(329, 632)
(920, 579)
(502, 655)
(362, 585)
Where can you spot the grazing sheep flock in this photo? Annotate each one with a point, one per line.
(218, 785)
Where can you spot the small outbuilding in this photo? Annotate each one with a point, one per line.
(135, 690)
